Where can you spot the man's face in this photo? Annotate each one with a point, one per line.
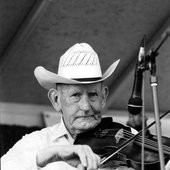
(81, 106)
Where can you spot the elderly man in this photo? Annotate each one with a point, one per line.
(78, 92)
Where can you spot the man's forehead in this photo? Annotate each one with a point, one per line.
(70, 87)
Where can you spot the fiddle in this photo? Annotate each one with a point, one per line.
(109, 138)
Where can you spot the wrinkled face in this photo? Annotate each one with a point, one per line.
(81, 106)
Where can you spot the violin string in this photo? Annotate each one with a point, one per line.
(152, 147)
(149, 142)
(149, 145)
(101, 134)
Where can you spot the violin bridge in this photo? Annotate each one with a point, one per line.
(119, 135)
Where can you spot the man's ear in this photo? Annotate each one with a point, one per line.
(105, 93)
(53, 95)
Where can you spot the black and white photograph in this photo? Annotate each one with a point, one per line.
(85, 84)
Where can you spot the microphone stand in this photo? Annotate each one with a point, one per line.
(154, 83)
(151, 59)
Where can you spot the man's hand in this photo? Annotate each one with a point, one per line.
(80, 156)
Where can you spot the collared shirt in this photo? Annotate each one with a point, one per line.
(22, 156)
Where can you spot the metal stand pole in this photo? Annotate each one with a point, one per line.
(158, 125)
(153, 82)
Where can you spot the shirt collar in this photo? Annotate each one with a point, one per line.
(60, 130)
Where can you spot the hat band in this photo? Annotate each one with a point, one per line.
(87, 79)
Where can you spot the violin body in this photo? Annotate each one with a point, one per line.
(106, 138)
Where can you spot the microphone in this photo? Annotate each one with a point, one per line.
(135, 101)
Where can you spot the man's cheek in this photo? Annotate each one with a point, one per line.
(97, 109)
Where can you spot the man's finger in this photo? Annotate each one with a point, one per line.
(81, 167)
(82, 155)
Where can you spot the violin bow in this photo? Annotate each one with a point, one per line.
(132, 138)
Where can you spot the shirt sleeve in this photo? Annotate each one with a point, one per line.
(22, 156)
(19, 162)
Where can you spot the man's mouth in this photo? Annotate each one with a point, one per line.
(85, 116)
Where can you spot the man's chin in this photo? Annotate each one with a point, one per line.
(86, 124)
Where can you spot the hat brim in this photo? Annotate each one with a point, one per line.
(49, 79)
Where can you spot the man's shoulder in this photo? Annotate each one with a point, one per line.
(42, 134)
(47, 130)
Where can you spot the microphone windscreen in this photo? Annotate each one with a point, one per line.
(135, 105)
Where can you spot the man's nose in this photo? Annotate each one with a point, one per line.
(85, 103)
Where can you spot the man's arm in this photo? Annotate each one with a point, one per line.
(32, 152)
(76, 155)
(21, 156)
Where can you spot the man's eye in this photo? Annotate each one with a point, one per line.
(93, 96)
(75, 97)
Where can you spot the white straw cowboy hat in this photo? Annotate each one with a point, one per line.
(78, 65)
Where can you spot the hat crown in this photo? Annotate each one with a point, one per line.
(78, 65)
(80, 61)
